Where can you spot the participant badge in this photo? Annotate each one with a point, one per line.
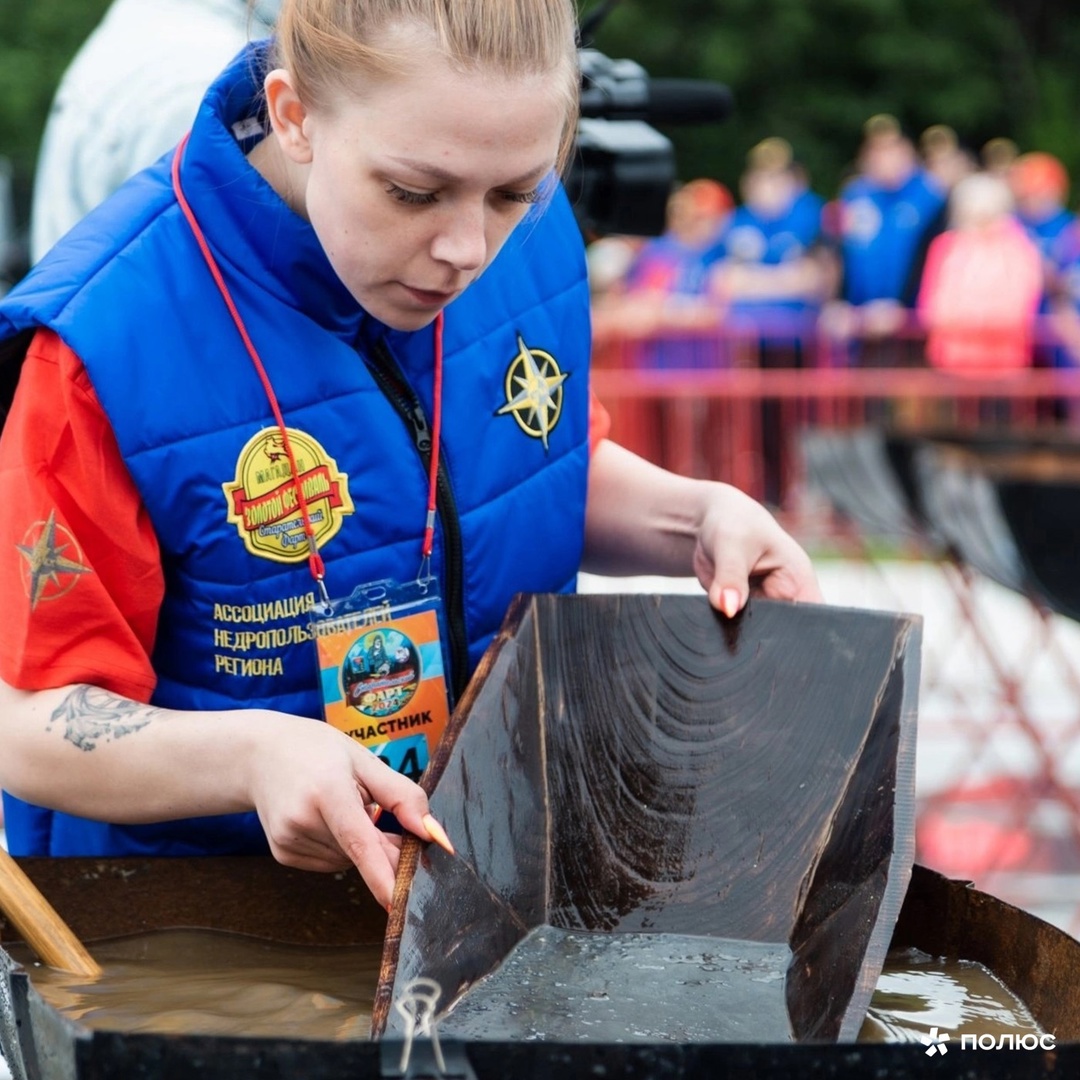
(381, 666)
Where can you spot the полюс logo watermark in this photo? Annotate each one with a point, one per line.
(935, 1043)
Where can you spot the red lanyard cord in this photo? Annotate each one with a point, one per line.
(315, 561)
(436, 431)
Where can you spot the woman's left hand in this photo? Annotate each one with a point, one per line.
(742, 548)
(641, 519)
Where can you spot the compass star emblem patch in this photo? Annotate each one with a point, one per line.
(534, 391)
(52, 561)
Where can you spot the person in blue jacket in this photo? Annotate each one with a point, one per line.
(888, 214)
(771, 275)
(339, 336)
(772, 280)
(1040, 184)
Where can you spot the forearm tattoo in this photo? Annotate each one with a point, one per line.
(91, 715)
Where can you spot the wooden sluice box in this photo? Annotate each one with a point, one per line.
(1006, 503)
(683, 844)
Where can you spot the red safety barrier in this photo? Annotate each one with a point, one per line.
(723, 415)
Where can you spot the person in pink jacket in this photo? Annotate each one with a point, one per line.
(981, 284)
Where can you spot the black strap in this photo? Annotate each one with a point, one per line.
(12, 354)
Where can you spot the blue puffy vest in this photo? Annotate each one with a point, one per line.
(882, 233)
(129, 292)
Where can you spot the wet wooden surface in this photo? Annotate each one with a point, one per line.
(641, 765)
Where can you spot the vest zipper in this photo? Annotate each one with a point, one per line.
(391, 381)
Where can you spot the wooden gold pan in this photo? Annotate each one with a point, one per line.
(672, 824)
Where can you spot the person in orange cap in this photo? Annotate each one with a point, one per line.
(1040, 185)
(674, 263)
(666, 286)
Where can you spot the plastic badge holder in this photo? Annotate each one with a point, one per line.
(382, 668)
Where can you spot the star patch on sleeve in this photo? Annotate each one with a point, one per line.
(534, 391)
(52, 562)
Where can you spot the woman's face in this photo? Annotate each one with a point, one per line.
(413, 185)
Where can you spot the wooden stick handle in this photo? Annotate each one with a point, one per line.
(41, 927)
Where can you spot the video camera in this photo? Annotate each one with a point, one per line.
(623, 169)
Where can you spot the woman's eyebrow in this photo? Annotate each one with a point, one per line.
(446, 177)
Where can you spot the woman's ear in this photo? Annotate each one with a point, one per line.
(288, 116)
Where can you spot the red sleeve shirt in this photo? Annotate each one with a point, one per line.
(80, 573)
(599, 422)
(81, 583)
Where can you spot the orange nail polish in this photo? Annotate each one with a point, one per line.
(438, 834)
(729, 602)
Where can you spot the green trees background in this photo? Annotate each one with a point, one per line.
(810, 70)
(814, 70)
(37, 39)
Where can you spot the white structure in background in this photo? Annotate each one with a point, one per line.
(128, 96)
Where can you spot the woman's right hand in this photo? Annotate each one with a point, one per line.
(313, 788)
(311, 785)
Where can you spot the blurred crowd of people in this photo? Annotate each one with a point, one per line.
(930, 250)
